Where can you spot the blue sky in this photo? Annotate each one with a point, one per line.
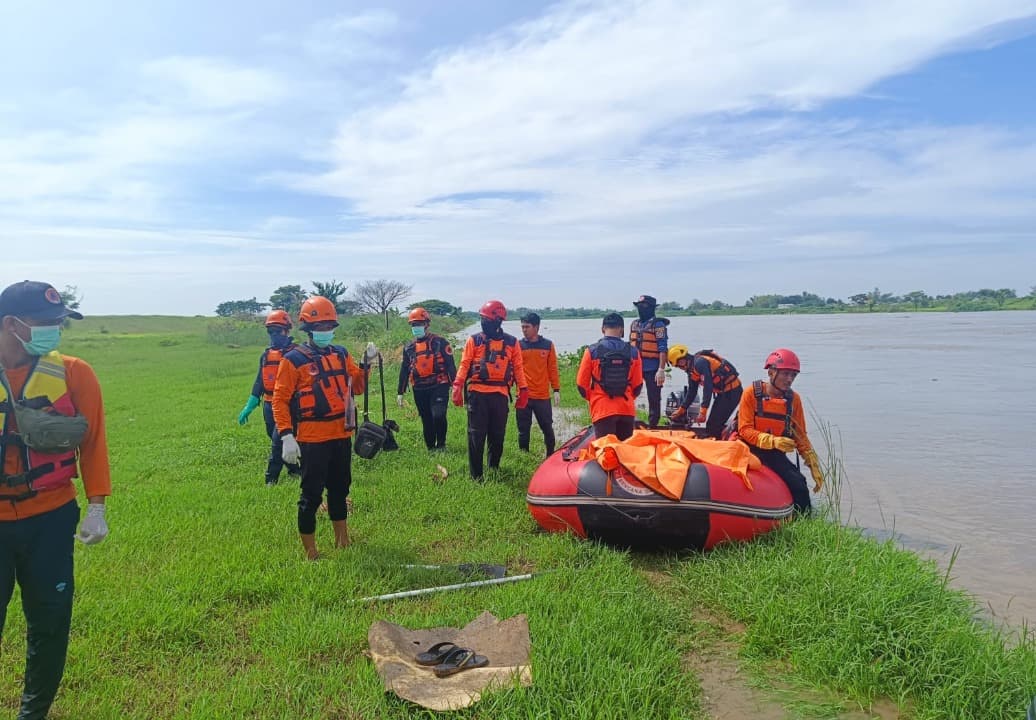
(164, 157)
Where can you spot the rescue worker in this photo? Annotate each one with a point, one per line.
(610, 377)
(490, 365)
(720, 387)
(278, 325)
(312, 397)
(52, 421)
(649, 335)
(540, 360)
(772, 422)
(429, 368)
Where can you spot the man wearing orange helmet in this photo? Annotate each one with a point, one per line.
(428, 366)
(771, 421)
(312, 397)
(490, 365)
(278, 325)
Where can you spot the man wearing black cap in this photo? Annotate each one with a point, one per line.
(51, 430)
(649, 335)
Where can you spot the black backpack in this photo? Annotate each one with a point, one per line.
(615, 368)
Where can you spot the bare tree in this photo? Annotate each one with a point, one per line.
(379, 296)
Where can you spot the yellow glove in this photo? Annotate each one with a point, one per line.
(767, 441)
(814, 469)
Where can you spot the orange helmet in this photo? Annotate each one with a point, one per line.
(278, 317)
(493, 310)
(782, 359)
(317, 309)
(418, 314)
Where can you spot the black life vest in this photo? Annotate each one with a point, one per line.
(614, 365)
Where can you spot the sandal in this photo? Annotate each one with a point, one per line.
(436, 654)
(459, 659)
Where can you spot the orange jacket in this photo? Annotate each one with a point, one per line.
(751, 422)
(541, 367)
(503, 369)
(85, 392)
(294, 389)
(588, 381)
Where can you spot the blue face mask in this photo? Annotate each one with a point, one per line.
(42, 339)
(279, 340)
(323, 338)
(417, 330)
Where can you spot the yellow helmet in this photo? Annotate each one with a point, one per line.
(677, 352)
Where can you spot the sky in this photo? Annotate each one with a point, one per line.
(164, 157)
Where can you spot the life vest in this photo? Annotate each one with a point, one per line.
(328, 396)
(773, 415)
(645, 336)
(45, 388)
(614, 366)
(271, 361)
(428, 366)
(724, 374)
(492, 362)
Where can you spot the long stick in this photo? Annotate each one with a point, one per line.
(444, 588)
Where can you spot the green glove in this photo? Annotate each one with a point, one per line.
(252, 404)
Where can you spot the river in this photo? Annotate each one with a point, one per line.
(937, 418)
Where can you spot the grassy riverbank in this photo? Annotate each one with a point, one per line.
(199, 605)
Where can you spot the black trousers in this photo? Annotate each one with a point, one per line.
(544, 414)
(619, 425)
(328, 465)
(487, 421)
(36, 552)
(654, 395)
(723, 406)
(432, 402)
(275, 462)
(792, 477)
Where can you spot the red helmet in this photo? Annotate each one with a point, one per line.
(418, 314)
(782, 359)
(278, 317)
(493, 310)
(317, 309)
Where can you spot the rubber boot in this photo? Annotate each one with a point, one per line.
(309, 542)
(341, 533)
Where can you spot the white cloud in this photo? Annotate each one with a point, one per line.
(206, 82)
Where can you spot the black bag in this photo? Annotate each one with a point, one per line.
(615, 369)
(370, 437)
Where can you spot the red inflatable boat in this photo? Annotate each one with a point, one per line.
(578, 496)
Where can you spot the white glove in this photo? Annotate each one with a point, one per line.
(290, 451)
(399, 400)
(93, 529)
(557, 399)
(371, 353)
(660, 377)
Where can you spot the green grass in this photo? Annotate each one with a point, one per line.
(199, 604)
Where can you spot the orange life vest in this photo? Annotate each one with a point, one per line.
(644, 337)
(492, 362)
(772, 414)
(724, 374)
(271, 361)
(45, 388)
(328, 395)
(429, 365)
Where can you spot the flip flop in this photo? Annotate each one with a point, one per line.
(459, 659)
(436, 654)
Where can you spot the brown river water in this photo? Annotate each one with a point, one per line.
(936, 414)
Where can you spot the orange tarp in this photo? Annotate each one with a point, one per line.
(661, 460)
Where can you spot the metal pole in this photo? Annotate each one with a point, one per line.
(444, 588)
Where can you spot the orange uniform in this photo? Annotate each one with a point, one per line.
(541, 367)
(85, 393)
(764, 411)
(298, 402)
(588, 380)
(491, 365)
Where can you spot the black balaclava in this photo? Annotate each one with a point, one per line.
(492, 328)
(645, 312)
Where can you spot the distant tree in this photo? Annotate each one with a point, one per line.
(379, 296)
(859, 299)
(438, 307)
(240, 308)
(1003, 295)
(1032, 294)
(70, 297)
(289, 297)
(919, 298)
(332, 290)
(670, 307)
(348, 307)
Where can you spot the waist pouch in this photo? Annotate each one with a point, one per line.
(48, 432)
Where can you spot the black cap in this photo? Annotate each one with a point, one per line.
(645, 300)
(36, 300)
